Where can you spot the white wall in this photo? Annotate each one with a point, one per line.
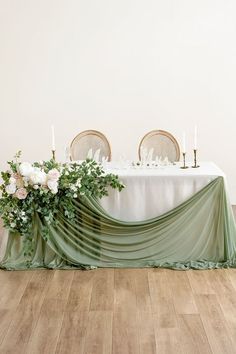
(123, 67)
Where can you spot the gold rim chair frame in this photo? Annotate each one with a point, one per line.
(90, 132)
(162, 133)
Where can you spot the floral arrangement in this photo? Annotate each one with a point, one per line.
(47, 187)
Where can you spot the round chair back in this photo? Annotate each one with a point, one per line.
(163, 143)
(88, 143)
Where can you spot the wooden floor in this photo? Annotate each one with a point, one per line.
(118, 311)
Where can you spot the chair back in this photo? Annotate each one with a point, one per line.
(163, 144)
(90, 142)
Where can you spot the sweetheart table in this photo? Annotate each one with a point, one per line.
(165, 217)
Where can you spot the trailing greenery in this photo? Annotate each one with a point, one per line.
(46, 188)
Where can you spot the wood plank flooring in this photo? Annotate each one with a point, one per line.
(118, 311)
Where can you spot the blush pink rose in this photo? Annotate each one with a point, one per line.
(21, 193)
(16, 176)
(53, 174)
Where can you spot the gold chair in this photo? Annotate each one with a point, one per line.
(163, 144)
(89, 140)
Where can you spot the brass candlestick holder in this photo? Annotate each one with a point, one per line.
(54, 155)
(195, 159)
(184, 161)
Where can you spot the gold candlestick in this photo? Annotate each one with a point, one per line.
(195, 159)
(54, 155)
(184, 157)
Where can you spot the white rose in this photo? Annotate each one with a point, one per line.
(38, 176)
(36, 186)
(25, 169)
(54, 174)
(53, 186)
(11, 188)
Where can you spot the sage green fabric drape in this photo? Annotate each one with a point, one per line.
(199, 234)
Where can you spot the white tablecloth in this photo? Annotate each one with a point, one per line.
(152, 192)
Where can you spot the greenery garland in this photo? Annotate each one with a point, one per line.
(46, 188)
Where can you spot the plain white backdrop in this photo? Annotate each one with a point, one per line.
(122, 67)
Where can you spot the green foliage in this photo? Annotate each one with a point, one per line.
(73, 181)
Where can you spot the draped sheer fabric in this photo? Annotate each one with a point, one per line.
(200, 233)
